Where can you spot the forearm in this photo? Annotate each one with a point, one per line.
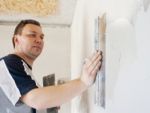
(52, 96)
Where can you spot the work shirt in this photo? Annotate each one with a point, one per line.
(16, 80)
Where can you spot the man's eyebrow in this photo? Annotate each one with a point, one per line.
(36, 32)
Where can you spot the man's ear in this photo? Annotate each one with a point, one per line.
(16, 39)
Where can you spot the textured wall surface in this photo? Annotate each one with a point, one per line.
(64, 14)
(121, 52)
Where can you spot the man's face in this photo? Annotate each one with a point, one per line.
(30, 42)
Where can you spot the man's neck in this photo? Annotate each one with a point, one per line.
(28, 59)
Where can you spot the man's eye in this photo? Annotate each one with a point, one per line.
(42, 37)
(31, 35)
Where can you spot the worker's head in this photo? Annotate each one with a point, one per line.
(28, 38)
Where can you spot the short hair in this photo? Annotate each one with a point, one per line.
(21, 25)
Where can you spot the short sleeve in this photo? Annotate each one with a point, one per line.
(16, 77)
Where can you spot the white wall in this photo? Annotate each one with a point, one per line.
(6, 39)
(54, 59)
(132, 89)
(127, 54)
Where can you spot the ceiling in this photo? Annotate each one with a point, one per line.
(62, 17)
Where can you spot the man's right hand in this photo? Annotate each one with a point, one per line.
(90, 68)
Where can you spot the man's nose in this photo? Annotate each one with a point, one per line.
(39, 39)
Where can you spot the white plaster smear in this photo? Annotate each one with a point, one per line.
(121, 49)
(146, 4)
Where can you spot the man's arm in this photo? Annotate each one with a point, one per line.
(52, 96)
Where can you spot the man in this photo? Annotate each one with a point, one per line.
(17, 86)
